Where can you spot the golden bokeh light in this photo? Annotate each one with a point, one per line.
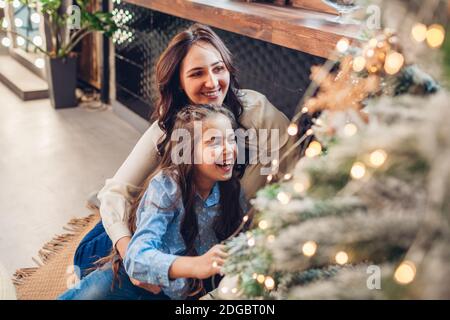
(358, 170)
(350, 129)
(419, 32)
(342, 45)
(292, 129)
(393, 63)
(314, 149)
(435, 35)
(377, 158)
(405, 273)
(359, 63)
(283, 197)
(341, 257)
(309, 248)
(269, 283)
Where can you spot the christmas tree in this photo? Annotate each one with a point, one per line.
(365, 213)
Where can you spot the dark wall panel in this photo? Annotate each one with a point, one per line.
(280, 73)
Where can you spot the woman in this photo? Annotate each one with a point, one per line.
(195, 68)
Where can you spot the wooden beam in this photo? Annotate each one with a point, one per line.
(294, 28)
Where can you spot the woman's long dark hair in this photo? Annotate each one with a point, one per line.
(171, 98)
(231, 213)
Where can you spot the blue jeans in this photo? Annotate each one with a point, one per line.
(98, 286)
(95, 245)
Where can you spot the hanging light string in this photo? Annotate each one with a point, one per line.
(406, 270)
(393, 62)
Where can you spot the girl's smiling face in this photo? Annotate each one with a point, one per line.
(217, 151)
(203, 75)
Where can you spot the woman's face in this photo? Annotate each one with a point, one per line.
(203, 75)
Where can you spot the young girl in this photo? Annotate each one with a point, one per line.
(191, 204)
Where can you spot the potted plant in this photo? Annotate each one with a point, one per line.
(65, 26)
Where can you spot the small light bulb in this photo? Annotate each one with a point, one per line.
(370, 53)
(405, 273)
(254, 276)
(287, 176)
(358, 170)
(37, 40)
(40, 63)
(269, 178)
(263, 224)
(377, 158)
(18, 22)
(245, 218)
(309, 248)
(373, 42)
(260, 278)
(305, 110)
(270, 238)
(16, 3)
(350, 129)
(309, 132)
(302, 183)
(359, 64)
(342, 45)
(435, 35)
(6, 42)
(225, 290)
(393, 63)
(35, 17)
(251, 242)
(283, 197)
(2, 4)
(341, 257)
(314, 149)
(419, 32)
(299, 187)
(292, 129)
(269, 283)
(234, 290)
(20, 41)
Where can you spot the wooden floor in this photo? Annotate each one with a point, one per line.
(50, 161)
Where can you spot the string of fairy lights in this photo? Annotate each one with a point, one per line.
(379, 54)
(20, 40)
(120, 16)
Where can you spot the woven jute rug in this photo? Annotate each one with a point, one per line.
(54, 272)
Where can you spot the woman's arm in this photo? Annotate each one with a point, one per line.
(116, 196)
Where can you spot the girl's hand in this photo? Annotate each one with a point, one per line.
(211, 262)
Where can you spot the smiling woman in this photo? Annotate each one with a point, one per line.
(203, 74)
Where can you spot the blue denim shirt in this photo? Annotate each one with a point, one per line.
(157, 241)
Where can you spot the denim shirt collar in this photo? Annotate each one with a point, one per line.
(213, 198)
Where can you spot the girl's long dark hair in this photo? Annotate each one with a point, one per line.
(231, 213)
(171, 97)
